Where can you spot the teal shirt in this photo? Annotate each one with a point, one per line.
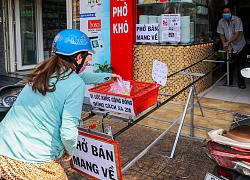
(39, 128)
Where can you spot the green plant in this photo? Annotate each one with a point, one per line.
(103, 67)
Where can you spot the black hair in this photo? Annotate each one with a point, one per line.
(71, 59)
(65, 58)
(79, 66)
(229, 6)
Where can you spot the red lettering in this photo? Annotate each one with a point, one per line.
(94, 24)
(26, 8)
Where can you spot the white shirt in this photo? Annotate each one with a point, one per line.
(229, 30)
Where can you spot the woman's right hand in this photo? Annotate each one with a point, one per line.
(66, 157)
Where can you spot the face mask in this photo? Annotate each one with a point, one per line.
(83, 67)
(78, 68)
(226, 16)
(88, 58)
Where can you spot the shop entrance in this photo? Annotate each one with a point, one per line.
(27, 29)
(40, 21)
(30, 28)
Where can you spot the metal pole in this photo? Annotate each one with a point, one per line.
(180, 126)
(228, 68)
(148, 148)
(198, 100)
(192, 109)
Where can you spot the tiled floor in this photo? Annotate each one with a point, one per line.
(229, 93)
(219, 103)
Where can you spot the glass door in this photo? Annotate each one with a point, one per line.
(29, 44)
(54, 18)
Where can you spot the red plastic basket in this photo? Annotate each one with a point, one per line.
(143, 94)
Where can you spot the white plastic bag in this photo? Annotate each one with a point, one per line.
(118, 87)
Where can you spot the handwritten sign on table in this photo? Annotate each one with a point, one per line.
(160, 72)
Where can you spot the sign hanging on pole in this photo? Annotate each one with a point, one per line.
(97, 157)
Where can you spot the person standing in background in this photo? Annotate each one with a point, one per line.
(230, 29)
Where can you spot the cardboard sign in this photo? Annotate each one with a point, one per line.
(147, 32)
(112, 103)
(159, 72)
(97, 157)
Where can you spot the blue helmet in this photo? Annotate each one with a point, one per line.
(71, 41)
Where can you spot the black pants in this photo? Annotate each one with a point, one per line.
(238, 61)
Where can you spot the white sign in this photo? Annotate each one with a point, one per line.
(112, 103)
(147, 32)
(171, 30)
(97, 157)
(159, 72)
(127, 85)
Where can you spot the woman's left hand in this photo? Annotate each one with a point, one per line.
(114, 76)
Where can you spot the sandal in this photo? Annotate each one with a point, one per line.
(242, 86)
